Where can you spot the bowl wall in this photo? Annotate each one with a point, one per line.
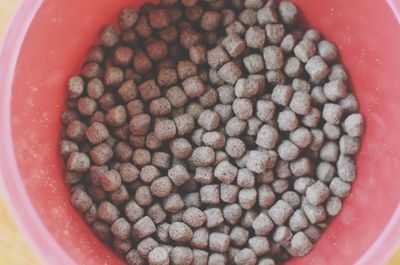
(47, 43)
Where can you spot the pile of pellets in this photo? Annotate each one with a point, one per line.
(210, 132)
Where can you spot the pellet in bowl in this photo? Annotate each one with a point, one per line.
(231, 131)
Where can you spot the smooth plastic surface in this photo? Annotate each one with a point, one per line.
(47, 43)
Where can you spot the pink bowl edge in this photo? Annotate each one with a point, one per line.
(15, 194)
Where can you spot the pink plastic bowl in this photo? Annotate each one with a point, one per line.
(47, 43)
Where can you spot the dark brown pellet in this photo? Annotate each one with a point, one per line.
(127, 18)
(123, 151)
(102, 230)
(159, 18)
(128, 91)
(96, 54)
(123, 56)
(149, 90)
(157, 49)
(194, 13)
(142, 63)
(210, 20)
(189, 38)
(142, 27)
(107, 101)
(129, 37)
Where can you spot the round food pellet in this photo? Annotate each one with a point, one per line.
(158, 256)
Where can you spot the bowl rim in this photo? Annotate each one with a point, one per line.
(16, 197)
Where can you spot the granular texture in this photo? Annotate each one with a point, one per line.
(210, 132)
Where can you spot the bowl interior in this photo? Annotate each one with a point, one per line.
(367, 34)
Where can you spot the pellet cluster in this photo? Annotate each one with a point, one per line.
(210, 132)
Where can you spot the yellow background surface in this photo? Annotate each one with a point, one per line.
(14, 250)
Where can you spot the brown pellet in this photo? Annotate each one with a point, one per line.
(108, 212)
(96, 54)
(181, 148)
(209, 98)
(289, 42)
(158, 256)
(267, 14)
(141, 157)
(181, 255)
(210, 20)
(81, 200)
(94, 70)
(142, 63)
(144, 227)
(184, 124)
(317, 68)
(247, 87)
(160, 107)
(157, 49)
(127, 91)
(180, 232)
(176, 97)
(209, 120)
(108, 36)
(273, 57)
(235, 126)
(167, 76)
(200, 238)
(230, 73)
(67, 147)
(189, 38)
(193, 86)
(102, 230)
(198, 54)
(217, 57)
(127, 18)
(209, 194)
(186, 69)
(110, 180)
(165, 129)
(246, 256)
(121, 229)
(194, 13)
(149, 90)
(116, 116)
(75, 86)
(243, 108)
(79, 162)
(140, 124)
